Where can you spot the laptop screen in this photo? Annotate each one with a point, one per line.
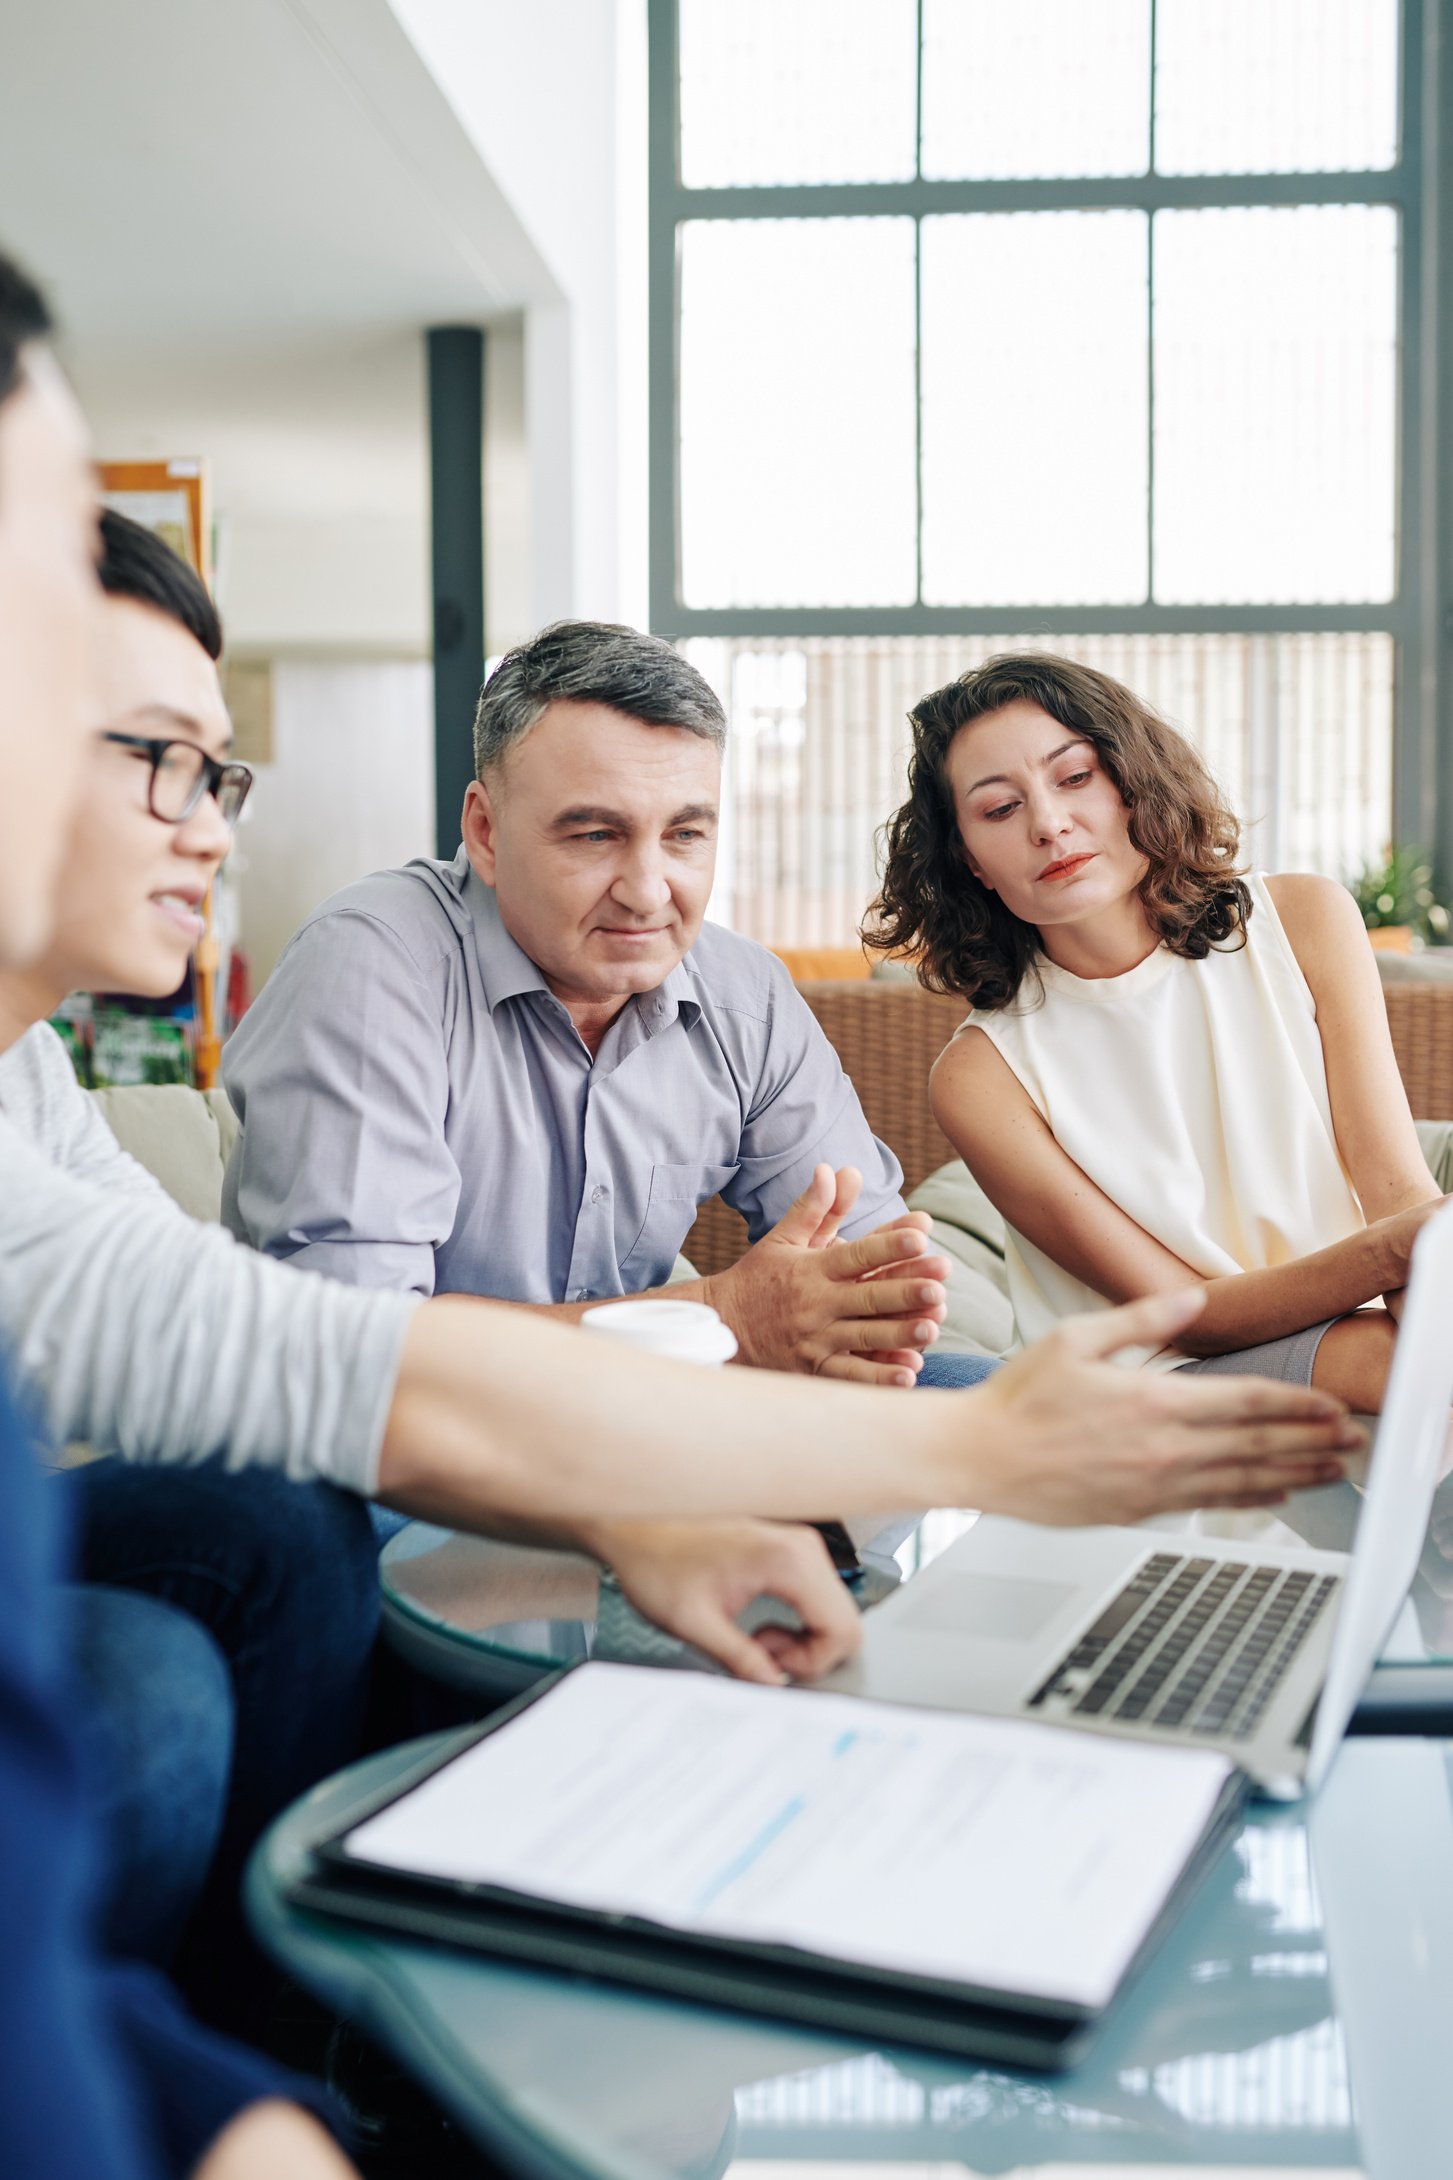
(1397, 1544)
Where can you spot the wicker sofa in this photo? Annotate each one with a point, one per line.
(889, 1033)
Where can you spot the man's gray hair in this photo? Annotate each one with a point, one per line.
(592, 662)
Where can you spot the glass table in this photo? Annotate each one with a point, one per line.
(1296, 2018)
(490, 1618)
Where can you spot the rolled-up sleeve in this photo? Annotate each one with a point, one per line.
(339, 1075)
(158, 1338)
(804, 1112)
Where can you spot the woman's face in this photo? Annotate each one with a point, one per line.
(131, 894)
(1042, 822)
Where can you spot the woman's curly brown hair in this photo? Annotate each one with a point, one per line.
(959, 936)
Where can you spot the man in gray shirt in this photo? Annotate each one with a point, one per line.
(518, 1074)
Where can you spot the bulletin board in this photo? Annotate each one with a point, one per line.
(170, 497)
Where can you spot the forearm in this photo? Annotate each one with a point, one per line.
(506, 1416)
(1248, 1308)
(543, 1532)
(1407, 1192)
(156, 1337)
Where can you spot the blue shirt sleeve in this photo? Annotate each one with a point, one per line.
(339, 1073)
(804, 1112)
(189, 2083)
(101, 2070)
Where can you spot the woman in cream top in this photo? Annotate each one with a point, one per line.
(1170, 1073)
(1193, 1093)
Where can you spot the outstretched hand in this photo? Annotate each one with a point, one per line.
(1074, 1438)
(800, 1299)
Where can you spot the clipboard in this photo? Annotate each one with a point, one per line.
(813, 1990)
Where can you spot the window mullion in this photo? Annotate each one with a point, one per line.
(918, 101)
(1150, 408)
(918, 409)
(1154, 30)
(918, 328)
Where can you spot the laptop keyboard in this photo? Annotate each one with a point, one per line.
(1191, 1645)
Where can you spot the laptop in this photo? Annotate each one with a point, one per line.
(1259, 1650)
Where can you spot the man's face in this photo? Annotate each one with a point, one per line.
(598, 834)
(49, 603)
(129, 912)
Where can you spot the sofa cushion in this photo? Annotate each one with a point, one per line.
(1433, 966)
(970, 1232)
(181, 1136)
(1436, 1137)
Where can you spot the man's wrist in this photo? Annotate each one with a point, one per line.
(597, 1539)
(723, 1292)
(608, 1541)
(958, 1455)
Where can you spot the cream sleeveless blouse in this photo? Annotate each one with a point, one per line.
(1194, 1094)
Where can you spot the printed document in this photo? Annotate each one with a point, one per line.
(989, 1852)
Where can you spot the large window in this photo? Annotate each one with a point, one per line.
(1073, 322)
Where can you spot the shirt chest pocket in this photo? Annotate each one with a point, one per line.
(671, 1207)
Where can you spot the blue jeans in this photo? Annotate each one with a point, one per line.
(283, 1579)
(955, 1370)
(156, 1733)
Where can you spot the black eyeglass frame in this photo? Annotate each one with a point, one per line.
(228, 784)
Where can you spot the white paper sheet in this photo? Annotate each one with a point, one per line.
(982, 1851)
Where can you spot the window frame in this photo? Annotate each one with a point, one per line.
(1419, 186)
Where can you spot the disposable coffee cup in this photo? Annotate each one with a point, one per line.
(684, 1331)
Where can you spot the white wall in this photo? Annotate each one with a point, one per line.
(509, 516)
(351, 786)
(306, 392)
(553, 95)
(351, 790)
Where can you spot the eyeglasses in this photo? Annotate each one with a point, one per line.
(181, 774)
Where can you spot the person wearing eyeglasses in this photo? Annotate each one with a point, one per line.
(203, 1727)
(101, 2070)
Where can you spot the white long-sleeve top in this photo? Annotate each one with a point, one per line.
(158, 1337)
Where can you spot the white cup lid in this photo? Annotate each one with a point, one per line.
(686, 1331)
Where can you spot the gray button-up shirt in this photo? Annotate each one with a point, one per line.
(419, 1111)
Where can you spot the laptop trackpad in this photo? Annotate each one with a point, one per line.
(1009, 1608)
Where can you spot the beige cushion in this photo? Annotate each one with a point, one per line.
(970, 1232)
(1433, 966)
(1436, 1137)
(181, 1136)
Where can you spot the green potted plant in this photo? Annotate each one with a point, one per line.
(1398, 902)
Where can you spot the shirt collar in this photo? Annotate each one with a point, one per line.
(508, 971)
(505, 968)
(675, 994)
